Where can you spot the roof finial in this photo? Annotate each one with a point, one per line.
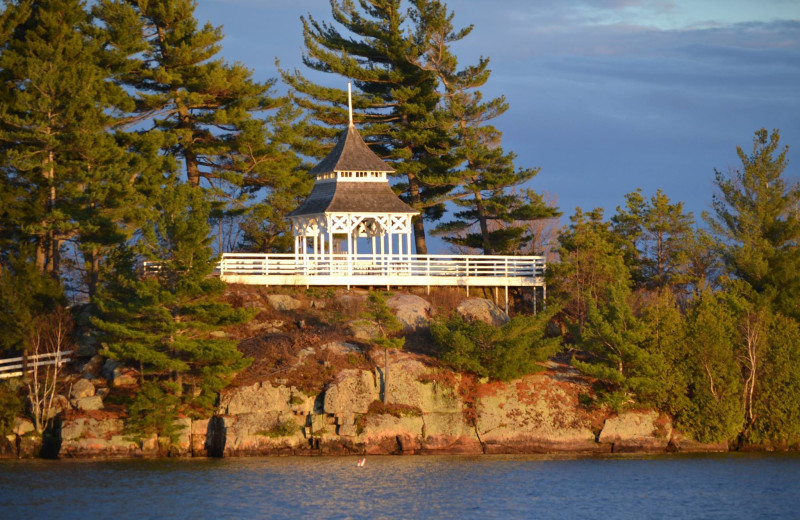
(349, 103)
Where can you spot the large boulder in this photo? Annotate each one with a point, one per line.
(94, 402)
(532, 415)
(118, 375)
(351, 392)
(87, 437)
(341, 348)
(636, 432)
(283, 302)
(82, 388)
(412, 311)
(480, 309)
(363, 330)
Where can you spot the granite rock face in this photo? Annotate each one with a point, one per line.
(636, 432)
(351, 392)
(531, 416)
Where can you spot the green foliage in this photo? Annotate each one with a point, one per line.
(712, 410)
(159, 322)
(655, 235)
(25, 294)
(11, 407)
(154, 411)
(777, 403)
(591, 262)
(283, 427)
(756, 216)
(381, 315)
(622, 360)
(503, 353)
(216, 313)
(62, 172)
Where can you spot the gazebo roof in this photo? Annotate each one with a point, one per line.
(352, 197)
(351, 154)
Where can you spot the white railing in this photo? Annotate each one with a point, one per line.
(12, 367)
(402, 267)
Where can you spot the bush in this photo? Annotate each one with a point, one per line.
(10, 408)
(503, 353)
(282, 428)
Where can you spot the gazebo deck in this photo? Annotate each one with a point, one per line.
(382, 269)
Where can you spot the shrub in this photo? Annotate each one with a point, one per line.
(503, 353)
(10, 408)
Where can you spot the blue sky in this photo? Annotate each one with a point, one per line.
(606, 95)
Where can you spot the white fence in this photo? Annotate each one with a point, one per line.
(12, 367)
(382, 269)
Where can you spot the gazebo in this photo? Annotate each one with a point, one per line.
(352, 199)
(352, 203)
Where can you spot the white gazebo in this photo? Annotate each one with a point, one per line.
(352, 199)
(352, 203)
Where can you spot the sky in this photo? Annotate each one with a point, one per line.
(606, 96)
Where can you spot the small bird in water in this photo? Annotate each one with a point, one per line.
(361, 462)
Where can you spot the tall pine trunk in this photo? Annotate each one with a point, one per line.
(419, 226)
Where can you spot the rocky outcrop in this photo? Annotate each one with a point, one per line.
(479, 309)
(88, 437)
(351, 392)
(531, 416)
(636, 432)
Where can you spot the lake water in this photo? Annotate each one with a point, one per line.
(730, 486)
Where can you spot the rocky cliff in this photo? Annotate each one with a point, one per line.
(329, 394)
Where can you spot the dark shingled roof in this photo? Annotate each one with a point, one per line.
(351, 154)
(354, 197)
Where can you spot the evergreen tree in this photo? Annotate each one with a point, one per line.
(25, 294)
(64, 177)
(206, 110)
(487, 177)
(712, 411)
(777, 401)
(160, 321)
(503, 353)
(591, 262)
(665, 342)
(615, 337)
(398, 103)
(655, 235)
(757, 217)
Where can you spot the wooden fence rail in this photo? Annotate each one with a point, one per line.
(12, 367)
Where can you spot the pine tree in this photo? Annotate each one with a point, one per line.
(206, 110)
(159, 322)
(64, 176)
(494, 219)
(503, 353)
(777, 402)
(656, 234)
(757, 218)
(397, 101)
(591, 262)
(614, 337)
